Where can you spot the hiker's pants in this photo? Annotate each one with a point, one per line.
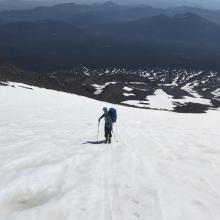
(108, 132)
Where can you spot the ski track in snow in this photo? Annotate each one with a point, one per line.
(160, 166)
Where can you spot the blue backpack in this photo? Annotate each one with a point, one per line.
(113, 114)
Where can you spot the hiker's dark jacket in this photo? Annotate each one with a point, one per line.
(108, 120)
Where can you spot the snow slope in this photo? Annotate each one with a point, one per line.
(160, 166)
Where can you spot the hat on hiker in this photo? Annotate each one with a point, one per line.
(105, 109)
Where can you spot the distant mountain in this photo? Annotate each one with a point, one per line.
(181, 41)
(83, 14)
(23, 4)
(80, 14)
(212, 15)
(188, 28)
(15, 5)
(41, 28)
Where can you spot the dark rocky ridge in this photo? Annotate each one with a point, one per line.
(111, 85)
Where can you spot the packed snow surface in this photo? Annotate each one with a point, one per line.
(160, 166)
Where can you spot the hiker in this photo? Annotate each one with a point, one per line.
(108, 125)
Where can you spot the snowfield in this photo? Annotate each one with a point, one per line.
(160, 166)
(161, 100)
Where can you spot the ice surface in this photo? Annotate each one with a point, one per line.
(160, 166)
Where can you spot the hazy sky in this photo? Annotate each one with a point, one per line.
(163, 3)
(204, 3)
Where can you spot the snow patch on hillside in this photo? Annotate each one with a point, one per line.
(216, 93)
(189, 87)
(100, 88)
(161, 100)
(128, 94)
(128, 89)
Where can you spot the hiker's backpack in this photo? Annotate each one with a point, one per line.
(113, 114)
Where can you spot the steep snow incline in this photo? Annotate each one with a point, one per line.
(160, 166)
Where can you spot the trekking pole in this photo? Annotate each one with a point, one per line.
(98, 133)
(113, 133)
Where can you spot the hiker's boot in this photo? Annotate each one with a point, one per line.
(109, 141)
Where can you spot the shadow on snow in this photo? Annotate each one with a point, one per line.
(95, 142)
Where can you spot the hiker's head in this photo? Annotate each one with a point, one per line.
(105, 110)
